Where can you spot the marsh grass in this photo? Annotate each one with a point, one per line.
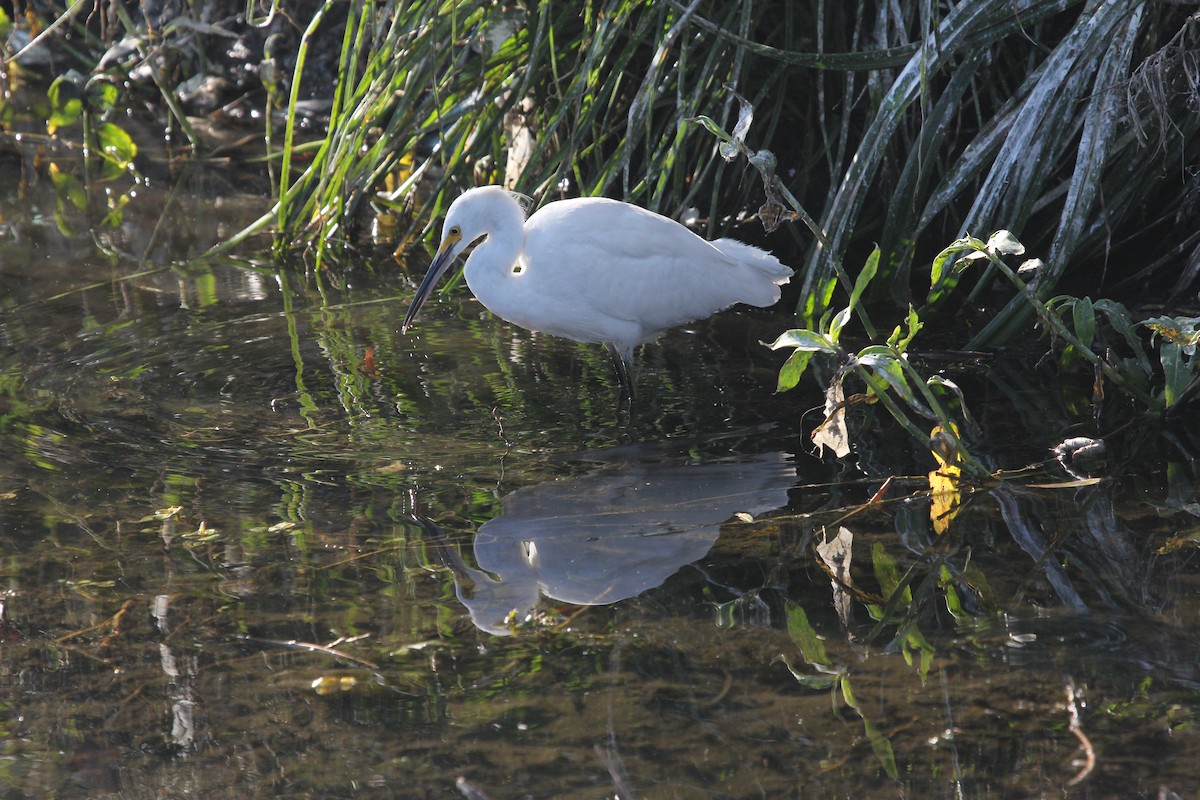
(905, 124)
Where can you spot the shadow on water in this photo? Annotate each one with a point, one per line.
(258, 543)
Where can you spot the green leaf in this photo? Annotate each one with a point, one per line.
(116, 145)
(945, 383)
(953, 601)
(803, 634)
(102, 94)
(915, 641)
(63, 115)
(793, 370)
(822, 680)
(804, 339)
(1177, 372)
(886, 364)
(68, 187)
(1084, 317)
(1120, 320)
(882, 749)
(864, 278)
(914, 326)
(947, 266)
(816, 303)
(887, 572)
(712, 127)
(848, 693)
(837, 323)
(66, 106)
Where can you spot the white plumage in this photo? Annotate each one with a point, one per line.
(595, 270)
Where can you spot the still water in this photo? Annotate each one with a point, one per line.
(258, 543)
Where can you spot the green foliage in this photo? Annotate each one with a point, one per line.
(1177, 337)
(827, 677)
(1073, 322)
(83, 107)
(926, 151)
(1163, 378)
(438, 98)
(66, 101)
(883, 367)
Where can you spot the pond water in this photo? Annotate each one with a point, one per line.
(259, 543)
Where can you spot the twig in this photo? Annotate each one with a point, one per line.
(292, 644)
(1076, 728)
(113, 622)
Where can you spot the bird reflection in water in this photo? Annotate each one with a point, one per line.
(608, 535)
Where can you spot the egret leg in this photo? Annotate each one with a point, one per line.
(624, 378)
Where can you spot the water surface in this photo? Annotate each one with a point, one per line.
(257, 542)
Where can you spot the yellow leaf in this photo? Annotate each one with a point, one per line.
(945, 498)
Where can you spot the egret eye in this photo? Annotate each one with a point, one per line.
(454, 232)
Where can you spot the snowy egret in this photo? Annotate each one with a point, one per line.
(595, 270)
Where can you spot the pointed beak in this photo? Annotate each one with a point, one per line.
(441, 263)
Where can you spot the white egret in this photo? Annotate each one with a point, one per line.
(595, 270)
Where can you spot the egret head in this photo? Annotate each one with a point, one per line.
(471, 217)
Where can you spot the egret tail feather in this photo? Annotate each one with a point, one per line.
(765, 274)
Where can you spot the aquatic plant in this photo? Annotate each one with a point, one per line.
(1157, 385)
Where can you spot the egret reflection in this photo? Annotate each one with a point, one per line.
(608, 535)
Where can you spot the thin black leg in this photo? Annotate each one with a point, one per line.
(626, 397)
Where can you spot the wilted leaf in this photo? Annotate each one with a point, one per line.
(1029, 270)
(1004, 243)
(1075, 484)
(772, 214)
(1177, 330)
(729, 149)
(837, 553)
(945, 499)
(832, 432)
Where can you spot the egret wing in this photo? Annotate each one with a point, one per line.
(617, 259)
